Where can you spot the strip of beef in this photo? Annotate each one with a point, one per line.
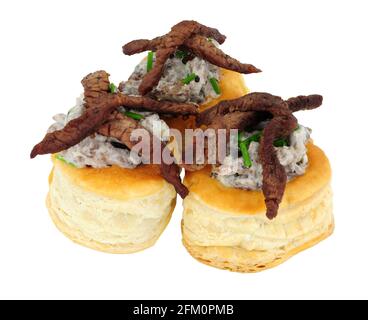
(96, 88)
(310, 102)
(274, 175)
(181, 30)
(74, 131)
(122, 127)
(167, 45)
(95, 85)
(256, 100)
(206, 50)
(239, 119)
(83, 126)
(192, 35)
(142, 45)
(149, 104)
(171, 173)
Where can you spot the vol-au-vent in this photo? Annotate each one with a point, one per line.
(116, 172)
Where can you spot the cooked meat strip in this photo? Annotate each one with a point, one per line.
(98, 111)
(312, 101)
(74, 131)
(239, 119)
(206, 50)
(121, 128)
(274, 175)
(255, 101)
(182, 29)
(80, 128)
(152, 78)
(142, 45)
(167, 45)
(149, 104)
(171, 173)
(192, 35)
(95, 85)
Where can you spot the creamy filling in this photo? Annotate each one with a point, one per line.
(171, 86)
(98, 151)
(233, 173)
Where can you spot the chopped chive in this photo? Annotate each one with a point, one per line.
(244, 151)
(254, 138)
(280, 143)
(189, 78)
(61, 158)
(209, 39)
(112, 88)
(149, 61)
(240, 137)
(180, 54)
(133, 115)
(243, 146)
(215, 85)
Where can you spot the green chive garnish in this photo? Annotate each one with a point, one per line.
(112, 88)
(133, 115)
(240, 137)
(61, 158)
(215, 85)
(180, 54)
(254, 138)
(189, 78)
(243, 146)
(280, 143)
(245, 154)
(149, 61)
(245, 143)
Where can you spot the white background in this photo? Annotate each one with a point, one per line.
(302, 46)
